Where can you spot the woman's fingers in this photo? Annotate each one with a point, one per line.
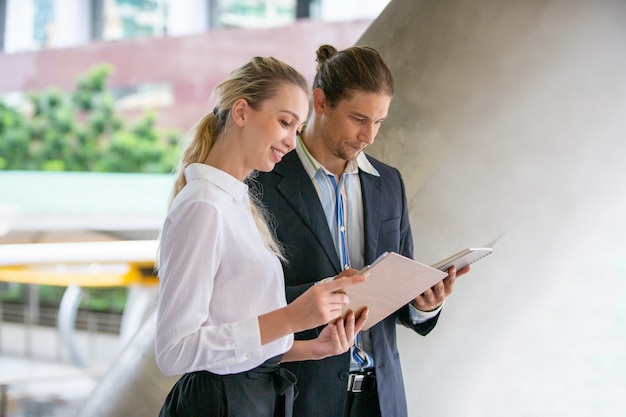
(340, 283)
(358, 325)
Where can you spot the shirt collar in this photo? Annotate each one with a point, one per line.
(312, 166)
(231, 185)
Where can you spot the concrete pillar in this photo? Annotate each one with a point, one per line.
(72, 23)
(510, 117)
(187, 17)
(19, 30)
(134, 386)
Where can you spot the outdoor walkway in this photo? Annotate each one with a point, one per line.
(37, 381)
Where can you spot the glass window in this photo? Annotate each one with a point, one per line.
(28, 25)
(127, 19)
(257, 13)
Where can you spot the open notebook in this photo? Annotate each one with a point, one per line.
(393, 280)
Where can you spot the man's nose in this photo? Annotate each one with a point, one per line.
(367, 134)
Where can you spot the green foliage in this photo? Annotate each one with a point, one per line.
(80, 131)
(108, 300)
(12, 292)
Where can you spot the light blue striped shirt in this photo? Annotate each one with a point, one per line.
(350, 187)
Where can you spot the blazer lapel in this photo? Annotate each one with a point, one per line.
(372, 203)
(372, 206)
(298, 191)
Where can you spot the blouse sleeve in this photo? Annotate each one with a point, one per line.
(186, 339)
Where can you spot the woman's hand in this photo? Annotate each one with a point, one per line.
(319, 305)
(322, 303)
(337, 337)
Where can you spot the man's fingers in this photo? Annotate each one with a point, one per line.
(463, 271)
(438, 289)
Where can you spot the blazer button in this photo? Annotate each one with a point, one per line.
(344, 376)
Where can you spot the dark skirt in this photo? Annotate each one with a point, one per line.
(265, 391)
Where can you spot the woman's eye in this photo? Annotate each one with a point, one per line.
(285, 123)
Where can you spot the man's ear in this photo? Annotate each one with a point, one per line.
(239, 112)
(319, 101)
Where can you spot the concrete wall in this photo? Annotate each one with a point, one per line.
(510, 117)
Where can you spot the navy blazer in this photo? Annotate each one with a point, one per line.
(301, 227)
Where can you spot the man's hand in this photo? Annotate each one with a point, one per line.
(434, 297)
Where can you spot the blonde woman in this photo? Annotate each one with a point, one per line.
(223, 321)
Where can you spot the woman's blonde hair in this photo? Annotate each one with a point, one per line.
(258, 80)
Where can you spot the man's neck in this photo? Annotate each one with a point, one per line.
(315, 146)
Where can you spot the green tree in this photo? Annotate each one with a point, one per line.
(80, 131)
(15, 135)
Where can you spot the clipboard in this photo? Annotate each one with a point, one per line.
(392, 281)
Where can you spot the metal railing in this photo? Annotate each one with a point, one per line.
(30, 319)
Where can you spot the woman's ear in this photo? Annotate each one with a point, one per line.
(239, 112)
(319, 100)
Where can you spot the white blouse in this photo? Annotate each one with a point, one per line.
(216, 277)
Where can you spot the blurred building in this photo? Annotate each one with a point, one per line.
(167, 54)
